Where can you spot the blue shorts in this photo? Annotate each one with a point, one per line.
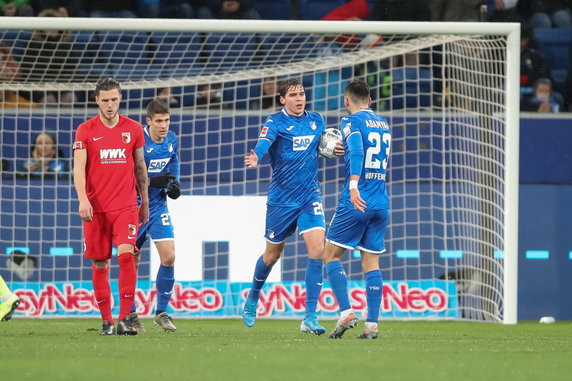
(281, 221)
(353, 229)
(159, 227)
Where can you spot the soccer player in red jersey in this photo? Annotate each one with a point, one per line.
(109, 168)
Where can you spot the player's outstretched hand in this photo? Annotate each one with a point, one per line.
(251, 161)
(85, 210)
(356, 200)
(173, 189)
(339, 150)
(161, 181)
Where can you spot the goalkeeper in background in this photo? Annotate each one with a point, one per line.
(9, 302)
(161, 158)
(362, 213)
(291, 139)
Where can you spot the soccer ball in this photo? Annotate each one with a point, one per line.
(330, 137)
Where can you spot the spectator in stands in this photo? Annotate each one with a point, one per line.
(543, 99)
(401, 10)
(113, 8)
(45, 158)
(176, 9)
(49, 58)
(66, 8)
(227, 9)
(551, 13)
(455, 10)
(10, 72)
(270, 98)
(166, 94)
(533, 65)
(503, 10)
(209, 95)
(16, 8)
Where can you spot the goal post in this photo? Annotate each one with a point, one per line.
(449, 90)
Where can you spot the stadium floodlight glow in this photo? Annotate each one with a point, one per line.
(449, 90)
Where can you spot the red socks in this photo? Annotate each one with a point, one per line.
(102, 292)
(127, 281)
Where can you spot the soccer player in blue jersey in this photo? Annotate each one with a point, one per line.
(161, 158)
(291, 139)
(362, 213)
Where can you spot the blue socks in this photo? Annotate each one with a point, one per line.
(339, 284)
(261, 272)
(373, 289)
(165, 281)
(314, 281)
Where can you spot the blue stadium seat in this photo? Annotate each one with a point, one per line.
(274, 9)
(412, 87)
(277, 48)
(241, 48)
(316, 9)
(329, 89)
(237, 93)
(555, 43)
(174, 54)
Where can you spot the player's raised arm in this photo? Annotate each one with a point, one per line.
(79, 179)
(141, 179)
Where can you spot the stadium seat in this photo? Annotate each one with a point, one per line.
(316, 9)
(555, 43)
(174, 54)
(219, 46)
(277, 48)
(412, 87)
(274, 9)
(329, 89)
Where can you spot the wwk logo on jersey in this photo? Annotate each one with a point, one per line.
(157, 165)
(301, 143)
(112, 155)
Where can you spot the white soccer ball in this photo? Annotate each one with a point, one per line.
(547, 320)
(328, 141)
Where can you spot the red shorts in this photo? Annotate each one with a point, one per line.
(118, 227)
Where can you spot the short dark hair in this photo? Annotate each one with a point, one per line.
(358, 91)
(542, 81)
(285, 85)
(107, 84)
(157, 106)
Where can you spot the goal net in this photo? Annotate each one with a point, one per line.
(448, 90)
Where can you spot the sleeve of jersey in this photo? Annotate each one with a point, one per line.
(80, 141)
(265, 139)
(139, 137)
(356, 153)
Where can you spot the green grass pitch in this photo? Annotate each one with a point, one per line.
(70, 349)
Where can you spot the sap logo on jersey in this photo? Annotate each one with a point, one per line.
(157, 165)
(301, 143)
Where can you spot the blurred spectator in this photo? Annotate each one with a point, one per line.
(176, 9)
(549, 13)
(45, 158)
(209, 95)
(16, 8)
(66, 8)
(227, 9)
(455, 10)
(10, 72)
(113, 8)
(401, 10)
(543, 99)
(533, 65)
(49, 58)
(166, 94)
(503, 10)
(270, 99)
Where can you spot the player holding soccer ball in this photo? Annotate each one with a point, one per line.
(9, 301)
(362, 213)
(109, 167)
(161, 157)
(294, 198)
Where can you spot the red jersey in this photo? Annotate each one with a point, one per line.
(110, 168)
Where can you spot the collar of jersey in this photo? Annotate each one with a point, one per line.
(293, 116)
(367, 109)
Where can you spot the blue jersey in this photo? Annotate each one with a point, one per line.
(293, 157)
(160, 158)
(367, 132)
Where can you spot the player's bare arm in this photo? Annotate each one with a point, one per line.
(80, 161)
(251, 160)
(355, 196)
(142, 183)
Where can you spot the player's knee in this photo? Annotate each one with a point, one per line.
(168, 260)
(270, 258)
(100, 264)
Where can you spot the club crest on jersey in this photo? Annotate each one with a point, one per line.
(126, 137)
(313, 125)
(132, 229)
(263, 132)
(170, 147)
(301, 143)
